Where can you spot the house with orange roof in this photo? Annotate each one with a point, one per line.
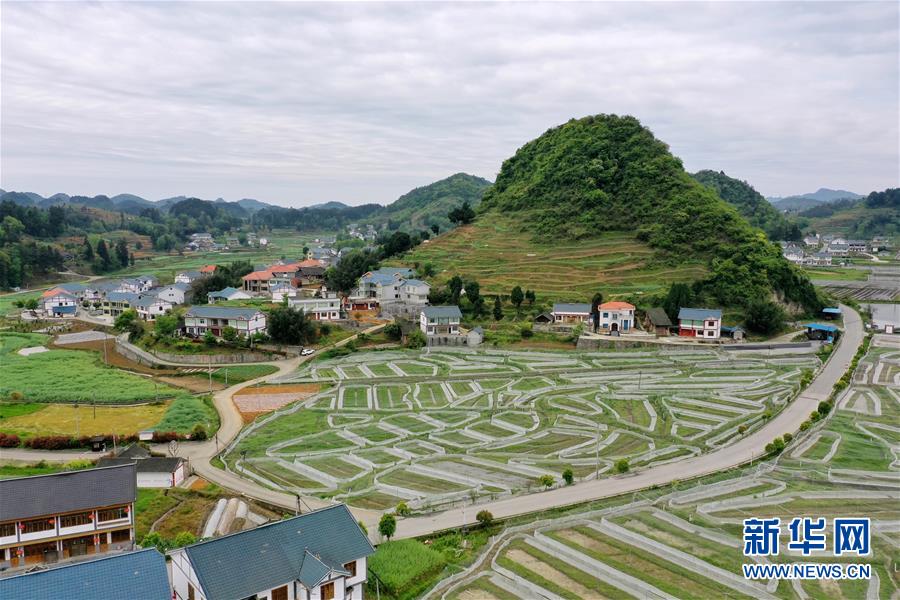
(615, 317)
(257, 282)
(58, 302)
(207, 269)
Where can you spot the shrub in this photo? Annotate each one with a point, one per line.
(185, 538)
(162, 437)
(742, 428)
(198, 433)
(824, 408)
(229, 334)
(393, 331)
(403, 509)
(154, 540)
(416, 339)
(51, 442)
(770, 448)
(787, 438)
(568, 476)
(16, 396)
(622, 465)
(484, 518)
(805, 425)
(778, 445)
(527, 331)
(362, 526)
(546, 480)
(9, 440)
(387, 526)
(815, 416)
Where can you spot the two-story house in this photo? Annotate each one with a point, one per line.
(115, 303)
(616, 316)
(257, 282)
(140, 574)
(318, 309)
(414, 291)
(176, 293)
(200, 319)
(440, 320)
(704, 323)
(188, 276)
(57, 302)
(149, 307)
(383, 284)
(48, 518)
(320, 555)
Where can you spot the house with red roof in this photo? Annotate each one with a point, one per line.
(615, 317)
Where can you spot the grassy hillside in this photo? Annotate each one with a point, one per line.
(751, 204)
(428, 205)
(499, 257)
(581, 181)
(876, 214)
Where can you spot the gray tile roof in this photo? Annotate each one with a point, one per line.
(129, 297)
(658, 317)
(145, 300)
(140, 575)
(153, 464)
(192, 274)
(564, 307)
(699, 314)
(304, 548)
(414, 282)
(220, 312)
(27, 497)
(434, 312)
(223, 293)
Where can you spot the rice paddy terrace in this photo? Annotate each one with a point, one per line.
(688, 542)
(444, 428)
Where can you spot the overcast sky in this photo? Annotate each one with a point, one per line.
(298, 103)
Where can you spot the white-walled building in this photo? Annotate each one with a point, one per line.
(200, 319)
(57, 302)
(318, 309)
(414, 291)
(173, 294)
(568, 313)
(152, 471)
(228, 293)
(320, 555)
(440, 320)
(616, 316)
(149, 307)
(703, 323)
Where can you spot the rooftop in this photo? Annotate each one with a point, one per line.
(221, 312)
(109, 578)
(699, 314)
(658, 317)
(306, 547)
(28, 497)
(564, 307)
(434, 312)
(617, 306)
(150, 464)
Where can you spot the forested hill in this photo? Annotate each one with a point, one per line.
(609, 173)
(751, 204)
(876, 214)
(429, 205)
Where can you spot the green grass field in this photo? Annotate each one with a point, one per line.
(499, 258)
(242, 373)
(69, 376)
(7, 300)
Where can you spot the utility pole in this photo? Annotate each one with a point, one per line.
(209, 368)
(94, 402)
(105, 353)
(226, 376)
(77, 421)
(598, 451)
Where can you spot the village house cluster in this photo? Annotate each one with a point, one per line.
(823, 250)
(71, 535)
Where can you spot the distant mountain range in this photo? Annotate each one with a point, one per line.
(127, 203)
(805, 201)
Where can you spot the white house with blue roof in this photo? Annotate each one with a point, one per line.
(320, 555)
(383, 284)
(567, 313)
(214, 319)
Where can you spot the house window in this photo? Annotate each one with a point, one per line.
(710, 323)
(191, 594)
(121, 535)
(7, 529)
(38, 525)
(75, 520)
(280, 593)
(113, 514)
(327, 591)
(350, 567)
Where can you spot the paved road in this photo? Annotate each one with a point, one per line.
(788, 421)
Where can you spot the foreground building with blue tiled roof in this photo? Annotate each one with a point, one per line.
(317, 556)
(139, 575)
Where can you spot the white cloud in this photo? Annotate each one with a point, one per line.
(298, 102)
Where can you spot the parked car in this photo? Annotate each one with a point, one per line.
(306, 351)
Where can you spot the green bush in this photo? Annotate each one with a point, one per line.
(546, 480)
(622, 465)
(387, 526)
(568, 476)
(403, 509)
(484, 518)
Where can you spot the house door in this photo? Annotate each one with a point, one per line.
(280, 594)
(614, 327)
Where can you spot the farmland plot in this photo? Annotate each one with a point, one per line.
(440, 427)
(686, 541)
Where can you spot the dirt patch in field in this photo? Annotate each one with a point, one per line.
(551, 574)
(193, 384)
(476, 595)
(254, 401)
(115, 359)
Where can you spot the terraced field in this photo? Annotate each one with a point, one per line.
(687, 543)
(499, 257)
(439, 428)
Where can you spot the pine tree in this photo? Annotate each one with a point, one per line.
(122, 252)
(498, 309)
(103, 254)
(88, 250)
